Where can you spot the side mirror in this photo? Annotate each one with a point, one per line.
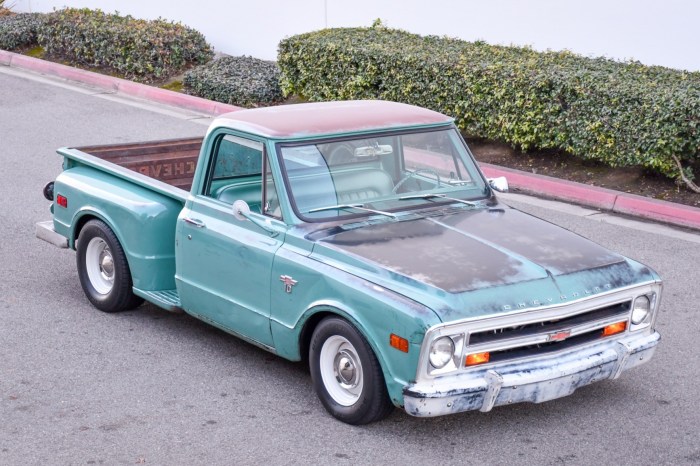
(499, 184)
(241, 209)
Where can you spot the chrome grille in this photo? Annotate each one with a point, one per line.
(620, 311)
(546, 336)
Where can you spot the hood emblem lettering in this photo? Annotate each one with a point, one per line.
(288, 281)
(562, 297)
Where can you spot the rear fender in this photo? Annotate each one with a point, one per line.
(143, 221)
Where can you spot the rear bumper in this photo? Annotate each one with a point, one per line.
(533, 381)
(45, 231)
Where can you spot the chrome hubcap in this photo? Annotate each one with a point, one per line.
(106, 265)
(345, 371)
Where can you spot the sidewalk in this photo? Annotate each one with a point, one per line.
(538, 185)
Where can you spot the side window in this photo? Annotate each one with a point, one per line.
(235, 173)
(236, 157)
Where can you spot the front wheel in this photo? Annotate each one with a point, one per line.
(103, 270)
(346, 374)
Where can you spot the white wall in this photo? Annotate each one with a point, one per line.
(654, 32)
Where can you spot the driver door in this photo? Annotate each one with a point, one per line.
(224, 264)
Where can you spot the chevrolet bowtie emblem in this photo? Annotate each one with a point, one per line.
(559, 336)
(289, 282)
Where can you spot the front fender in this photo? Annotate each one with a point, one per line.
(375, 311)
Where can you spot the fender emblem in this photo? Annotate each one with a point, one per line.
(559, 336)
(288, 281)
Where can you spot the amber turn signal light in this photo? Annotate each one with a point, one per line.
(614, 329)
(399, 343)
(477, 358)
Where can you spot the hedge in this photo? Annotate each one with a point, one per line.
(244, 81)
(133, 48)
(622, 114)
(20, 31)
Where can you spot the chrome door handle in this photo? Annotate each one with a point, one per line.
(194, 222)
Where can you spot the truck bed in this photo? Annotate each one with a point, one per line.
(170, 161)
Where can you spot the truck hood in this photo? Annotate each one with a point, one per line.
(474, 252)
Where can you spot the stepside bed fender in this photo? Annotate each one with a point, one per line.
(143, 221)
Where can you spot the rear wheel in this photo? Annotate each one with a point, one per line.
(103, 270)
(346, 374)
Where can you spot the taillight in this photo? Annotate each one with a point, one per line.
(62, 200)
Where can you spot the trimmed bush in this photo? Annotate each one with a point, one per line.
(20, 31)
(134, 48)
(244, 81)
(620, 113)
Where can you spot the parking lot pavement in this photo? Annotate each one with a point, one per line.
(78, 386)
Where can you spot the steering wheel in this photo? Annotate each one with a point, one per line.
(343, 153)
(413, 174)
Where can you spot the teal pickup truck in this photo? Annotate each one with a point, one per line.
(360, 237)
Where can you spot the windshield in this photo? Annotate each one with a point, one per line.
(380, 175)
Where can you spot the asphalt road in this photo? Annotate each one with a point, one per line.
(78, 386)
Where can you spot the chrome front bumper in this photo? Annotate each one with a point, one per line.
(535, 381)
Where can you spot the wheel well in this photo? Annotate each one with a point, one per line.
(308, 331)
(81, 223)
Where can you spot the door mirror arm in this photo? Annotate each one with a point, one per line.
(241, 211)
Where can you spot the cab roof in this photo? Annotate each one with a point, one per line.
(326, 118)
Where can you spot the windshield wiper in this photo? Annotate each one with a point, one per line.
(433, 195)
(352, 206)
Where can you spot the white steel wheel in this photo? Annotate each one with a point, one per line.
(103, 269)
(99, 265)
(341, 370)
(346, 374)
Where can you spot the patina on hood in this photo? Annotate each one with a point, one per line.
(470, 249)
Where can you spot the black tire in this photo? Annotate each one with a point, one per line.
(348, 398)
(103, 270)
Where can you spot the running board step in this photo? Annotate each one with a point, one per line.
(167, 299)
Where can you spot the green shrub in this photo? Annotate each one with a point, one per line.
(19, 31)
(136, 49)
(243, 81)
(619, 113)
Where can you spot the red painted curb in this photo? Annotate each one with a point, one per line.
(5, 58)
(580, 193)
(661, 211)
(112, 84)
(601, 198)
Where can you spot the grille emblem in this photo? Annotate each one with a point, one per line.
(559, 336)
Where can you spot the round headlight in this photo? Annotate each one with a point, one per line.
(441, 352)
(641, 309)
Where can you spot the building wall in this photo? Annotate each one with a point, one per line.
(654, 32)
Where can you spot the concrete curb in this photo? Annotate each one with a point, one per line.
(579, 193)
(600, 198)
(118, 85)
